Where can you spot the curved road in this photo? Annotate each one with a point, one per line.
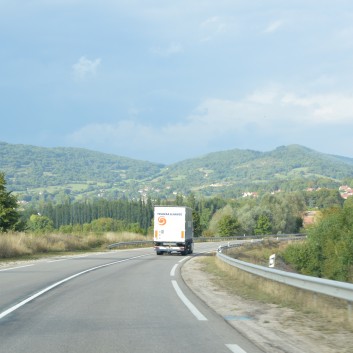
(119, 301)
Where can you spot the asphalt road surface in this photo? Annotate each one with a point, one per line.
(124, 301)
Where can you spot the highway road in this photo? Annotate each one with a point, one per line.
(120, 301)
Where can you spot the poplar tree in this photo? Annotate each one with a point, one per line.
(9, 217)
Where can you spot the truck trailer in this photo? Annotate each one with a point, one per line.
(173, 230)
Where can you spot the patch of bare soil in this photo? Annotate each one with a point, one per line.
(273, 328)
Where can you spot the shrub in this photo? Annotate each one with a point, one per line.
(328, 252)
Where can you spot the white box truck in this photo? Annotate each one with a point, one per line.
(173, 230)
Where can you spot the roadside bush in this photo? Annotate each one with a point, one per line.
(40, 224)
(328, 251)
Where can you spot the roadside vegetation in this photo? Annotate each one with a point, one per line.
(329, 314)
(328, 252)
(328, 246)
(33, 245)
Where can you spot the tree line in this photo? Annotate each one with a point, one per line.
(272, 213)
(128, 214)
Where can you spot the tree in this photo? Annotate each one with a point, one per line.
(213, 228)
(191, 201)
(40, 224)
(179, 199)
(348, 203)
(328, 251)
(9, 217)
(323, 198)
(285, 211)
(263, 225)
(247, 215)
(103, 225)
(228, 226)
(196, 224)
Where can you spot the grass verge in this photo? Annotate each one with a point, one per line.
(332, 312)
(15, 246)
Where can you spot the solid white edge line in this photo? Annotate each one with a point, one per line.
(47, 289)
(184, 259)
(172, 272)
(235, 348)
(187, 302)
(15, 268)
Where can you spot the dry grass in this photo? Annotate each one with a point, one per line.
(331, 311)
(11, 246)
(22, 245)
(259, 254)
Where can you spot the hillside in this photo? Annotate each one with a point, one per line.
(291, 167)
(31, 170)
(54, 173)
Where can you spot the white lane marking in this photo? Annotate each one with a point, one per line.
(47, 289)
(172, 272)
(235, 348)
(185, 258)
(188, 303)
(15, 268)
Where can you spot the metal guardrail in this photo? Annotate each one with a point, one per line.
(196, 240)
(205, 239)
(244, 237)
(130, 243)
(336, 289)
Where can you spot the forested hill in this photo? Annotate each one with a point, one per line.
(31, 169)
(291, 167)
(54, 173)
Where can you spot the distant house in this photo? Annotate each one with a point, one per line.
(345, 191)
(250, 194)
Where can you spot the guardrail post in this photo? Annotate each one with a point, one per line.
(350, 311)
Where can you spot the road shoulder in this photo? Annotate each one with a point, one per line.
(273, 328)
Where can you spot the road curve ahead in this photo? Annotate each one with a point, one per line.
(121, 301)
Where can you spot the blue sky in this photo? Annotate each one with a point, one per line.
(163, 80)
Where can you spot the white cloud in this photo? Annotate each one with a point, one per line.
(271, 113)
(274, 26)
(264, 96)
(85, 68)
(324, 108)
(215, 23)
(278, 107)
(343, 38)
(212, 27)
(171, 49)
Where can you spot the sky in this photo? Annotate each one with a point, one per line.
(168, 80)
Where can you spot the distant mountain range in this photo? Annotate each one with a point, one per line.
(58, 173)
